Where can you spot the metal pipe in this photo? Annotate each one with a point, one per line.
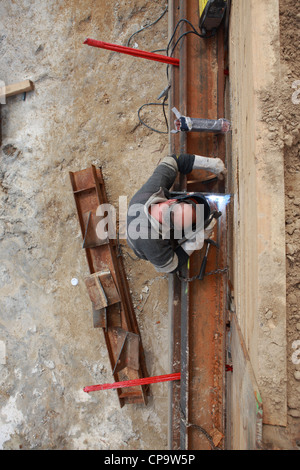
(133, 383)
(131, 51)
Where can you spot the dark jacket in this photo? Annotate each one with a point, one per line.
(150, 245)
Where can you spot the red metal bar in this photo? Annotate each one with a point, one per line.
(131, 51)
(133, 383)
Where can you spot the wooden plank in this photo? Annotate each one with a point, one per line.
(247, 409)
(16, 88)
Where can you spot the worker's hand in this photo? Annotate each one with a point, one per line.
(223, 171)
(208, 231)
(215, 165)
(218, 168)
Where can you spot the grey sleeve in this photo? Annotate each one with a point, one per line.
(165, 174)
(161, 255)
(170, 261)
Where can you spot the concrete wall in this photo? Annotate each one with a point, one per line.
(257, 182)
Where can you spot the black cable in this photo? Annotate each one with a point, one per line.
(159, 50)
(147, 26)
(163, 104)
(194, 31)
(183, 20)
(200, 428)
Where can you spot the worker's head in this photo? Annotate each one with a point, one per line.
(183, 215)
(178, 215)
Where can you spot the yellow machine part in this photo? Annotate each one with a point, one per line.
(211, 14)
(202, 5)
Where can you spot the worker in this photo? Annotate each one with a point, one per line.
(154, 214)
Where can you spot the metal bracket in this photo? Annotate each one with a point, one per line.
(128, 352)
(105, 299)
(91, 239)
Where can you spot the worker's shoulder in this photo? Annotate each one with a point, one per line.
(140, 197)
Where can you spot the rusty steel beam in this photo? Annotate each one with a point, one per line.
(89, 192)
(176, 144)
(199, 307)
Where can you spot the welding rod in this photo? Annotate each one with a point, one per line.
(134, 383)
(131, 51)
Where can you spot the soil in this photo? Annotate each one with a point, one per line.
(283, 119)
(83, 111)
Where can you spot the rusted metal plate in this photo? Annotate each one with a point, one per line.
(96, 292)
(107, 318)
(105, 300)
(197, 422)
(128, 346)
(91, 238)
(89, 192)
(176, 145)
(102, 289)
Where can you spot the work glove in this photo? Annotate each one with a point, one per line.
(208, 231)
(187, 162)
(215, 165)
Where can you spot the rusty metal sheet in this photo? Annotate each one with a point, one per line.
(109, 318)
(105, 300)
(128, 347)
(96, 292)
(102, 289)
(91, 239)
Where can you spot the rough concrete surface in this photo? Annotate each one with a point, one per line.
(82, 111)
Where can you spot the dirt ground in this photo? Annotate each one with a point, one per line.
(83, 111)
(283, 118)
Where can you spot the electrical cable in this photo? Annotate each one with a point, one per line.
(158, 50)
(163, 104)
(194, 31)
(200, 428)
(167, 52)
(183, 20)
(148, 26)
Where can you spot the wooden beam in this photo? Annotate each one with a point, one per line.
(16, 88)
